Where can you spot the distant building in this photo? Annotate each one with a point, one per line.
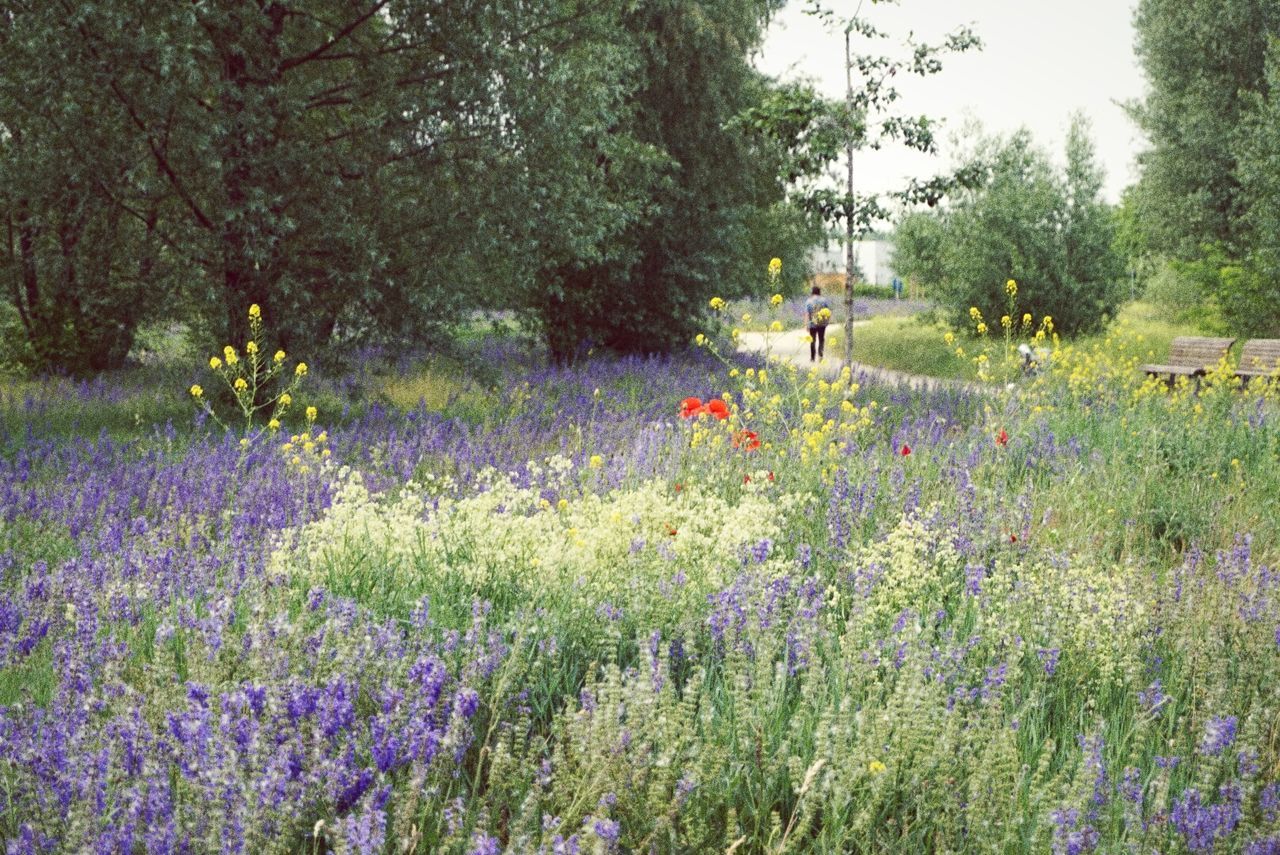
(870, 257)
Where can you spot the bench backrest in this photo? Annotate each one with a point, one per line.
(1197, 351)
(1261, 354)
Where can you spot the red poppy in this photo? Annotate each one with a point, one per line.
(718, 408)
(671, 530)
(1002, 438)
(690, 407)
(679, 487)
(1013, 538)
(906, 449)
(770, 474)
(747, 440)
(746, 479)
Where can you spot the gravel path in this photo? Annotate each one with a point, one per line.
(793, 346)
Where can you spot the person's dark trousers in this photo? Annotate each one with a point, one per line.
(817, 341)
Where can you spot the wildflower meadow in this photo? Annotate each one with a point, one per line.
(679, 604)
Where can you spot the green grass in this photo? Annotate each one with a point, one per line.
(916, 344)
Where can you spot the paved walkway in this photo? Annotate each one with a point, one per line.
(793, 346)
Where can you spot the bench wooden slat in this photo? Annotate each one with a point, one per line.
(1259, 357)
(1192, 355)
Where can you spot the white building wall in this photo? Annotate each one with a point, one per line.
(871, 256)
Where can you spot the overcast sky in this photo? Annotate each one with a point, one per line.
(1041, 60)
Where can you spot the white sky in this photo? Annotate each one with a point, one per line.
(1041, 60)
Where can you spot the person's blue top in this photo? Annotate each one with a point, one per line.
(812, 306)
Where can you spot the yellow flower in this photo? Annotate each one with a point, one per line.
(746, 317)
(251, 348)
(287, 447)
(775, 300)
(240, 384)
(949, 338)
(776, 326)
(875, 767)
(982, 329)
(699, 339)
(196, 391)
(229, 353)
(717, 303)
(596, 461)
(1026, 319)
(775, 266)
(974, 313)
(254, 311)
(279, 357)
(274, 424)
(215, 363)
(286, 399)
(311, 414)
(1006, 321)
(244, 443)
(1011, 287)
(301, 370)
(562, 504)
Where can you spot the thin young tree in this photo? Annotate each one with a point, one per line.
(869, 118)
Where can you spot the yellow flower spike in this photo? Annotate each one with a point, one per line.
(240, 384)
(974, 313)
(311, 414)
(717, 304)
(295, 460)
(254, 311)
(699, 339)
(982, 329)
(1011, 288)
(274, 424)
(949, 338)
(746, 317)
(735, 333)
(1006, 321)
(775, 300)
(301, 370)
(196, 391)
(244, 443)
(215, 363)
(776, 326)
(251, 348)
(733, 372)
(775, 266)
(1026, 319)
(596, 461)
(562, 504)
(286, 399)
(279, 357)
(229, 353)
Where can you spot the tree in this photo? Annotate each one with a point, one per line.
(1201, 58)
(866, 118)
(346, 165)
(1051, 233)
(686, 183)
(918, 243)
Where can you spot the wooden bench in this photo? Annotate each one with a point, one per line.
(1191, 356)
(1259, 358)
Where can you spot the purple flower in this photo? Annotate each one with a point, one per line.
(485, 845)
(1049, 659)
(467, 702)
(1219, 733)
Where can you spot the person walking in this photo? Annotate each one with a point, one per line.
(817, 311)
